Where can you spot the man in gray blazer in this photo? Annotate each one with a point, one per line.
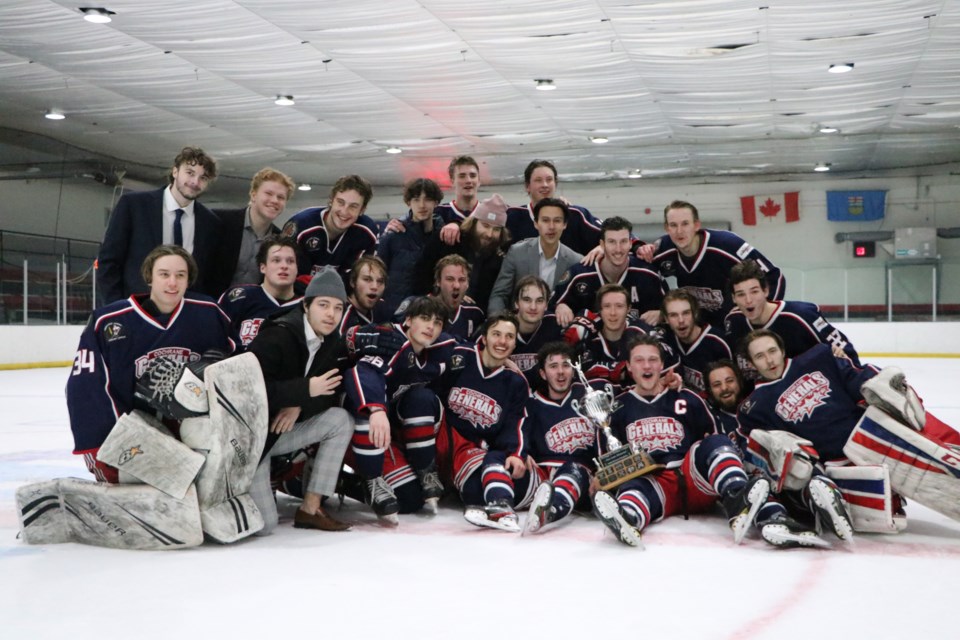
(544, 256)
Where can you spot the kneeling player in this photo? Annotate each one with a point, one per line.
(678, 431)
(560, 442)
(144, 343)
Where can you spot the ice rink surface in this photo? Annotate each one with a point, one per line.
(440, 577)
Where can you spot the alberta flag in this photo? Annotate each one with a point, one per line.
(855, 206)
(787, 204)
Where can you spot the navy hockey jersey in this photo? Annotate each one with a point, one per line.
(665, 425)
(707, 274)
(376, 381)
(817, 398)
(248, 306)
(449, 212)
(582, 233)
(605, 359)
(316, 250)
(577, 287)
(555, 433)
(525, 353)
(694, 358)
(353, 317)
(116, 348)
(486, 407)
(464, 324)
(799, 324)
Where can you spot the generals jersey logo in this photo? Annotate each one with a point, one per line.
(570, 435)
(709, 299)
(524, 361)
(249, 330)
(478, 409)
(806, 394)
(178, 354)
(235, 294)
(656, 434)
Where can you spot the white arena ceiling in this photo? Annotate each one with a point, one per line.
(680, 88)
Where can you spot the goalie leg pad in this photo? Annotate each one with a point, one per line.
(108, 515)
(889, 391)
(786, 459)
(232, 520)
(137, 447)
(869, 498)
(232, 437)
(920, 467)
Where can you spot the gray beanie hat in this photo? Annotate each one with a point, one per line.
(326, 283)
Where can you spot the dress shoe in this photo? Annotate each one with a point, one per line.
(319, 520)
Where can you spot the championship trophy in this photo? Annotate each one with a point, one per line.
(620, 462)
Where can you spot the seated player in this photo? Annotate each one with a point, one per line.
(819, 399)
(537, 328)
(303, 359)
(602, 342)
(368, 281)
(560, 442)
(391, 391)
(725, 391)
(576, 291)
(483, 441)
(249, 305)
(695, 343)
(678, 431)
(799, 324)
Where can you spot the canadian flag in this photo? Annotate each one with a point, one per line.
(771, 207)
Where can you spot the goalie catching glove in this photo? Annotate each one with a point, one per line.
(175, 389)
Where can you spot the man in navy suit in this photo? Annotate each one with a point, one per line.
(144, 220)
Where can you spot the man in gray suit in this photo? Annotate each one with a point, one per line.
(544, 256)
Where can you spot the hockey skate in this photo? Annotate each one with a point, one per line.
(496, 515)
(829, 508)
(432, 488)
(742, 506)
(380, 497)
(607, 509)
(784, 532)
(889, 392)
(541, 514)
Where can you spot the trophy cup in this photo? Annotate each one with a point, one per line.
(620, 462)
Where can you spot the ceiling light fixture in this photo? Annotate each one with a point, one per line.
(54, 115)
(304, 187)
(841, 68)
(545, 84)
(823, 166)
(284, 101)
(829, 130)
(599, 139)
(394, 150)
(97, 15)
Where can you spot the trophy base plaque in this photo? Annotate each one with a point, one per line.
(617, 466)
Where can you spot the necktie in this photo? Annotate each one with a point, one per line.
(178, 228)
